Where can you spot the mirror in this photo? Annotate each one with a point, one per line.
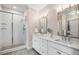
(68, 22)
(74, 27)
(43, 24)
(62, 24)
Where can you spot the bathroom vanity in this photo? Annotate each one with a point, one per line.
(66, 41)
(46, 45)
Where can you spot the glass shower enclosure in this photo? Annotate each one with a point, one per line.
(12, 32)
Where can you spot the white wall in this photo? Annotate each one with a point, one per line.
(52, 20)
(51, 14)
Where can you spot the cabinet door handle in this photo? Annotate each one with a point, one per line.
(59, 52)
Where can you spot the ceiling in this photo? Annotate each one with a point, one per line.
(19, 7)
(37, 6)
(23, 7)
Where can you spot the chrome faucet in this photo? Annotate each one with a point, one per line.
(66, 39)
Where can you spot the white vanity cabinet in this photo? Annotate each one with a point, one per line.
(54, 49)
(66, 50)
(39, 43)
(43, 46)
(47, 46)
(36, 43)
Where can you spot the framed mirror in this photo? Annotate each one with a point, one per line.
(68, 22)
(43, 24)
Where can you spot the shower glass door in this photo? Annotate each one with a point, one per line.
(18, 30)
(5, 30)
(12, 30)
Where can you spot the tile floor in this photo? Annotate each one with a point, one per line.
(23, 52)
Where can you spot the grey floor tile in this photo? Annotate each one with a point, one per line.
(23, 52)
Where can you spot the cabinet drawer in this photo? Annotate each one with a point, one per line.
(35, 39)
(63, 48)
(43, 46)
(44, 51)
(44, 41)
(53, 51)
(36, 43)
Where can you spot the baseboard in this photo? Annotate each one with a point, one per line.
(12, 49)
